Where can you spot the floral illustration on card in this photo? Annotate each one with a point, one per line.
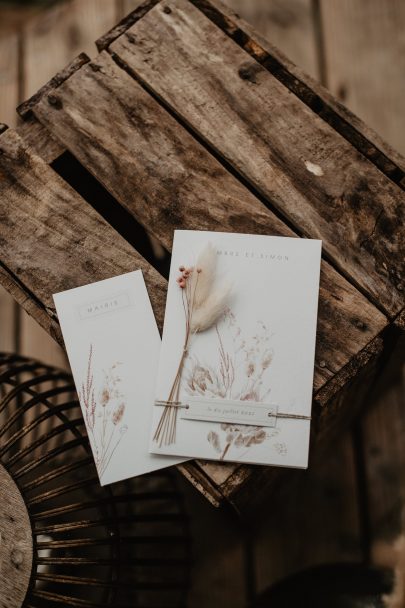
(104, 411)
(242, 373)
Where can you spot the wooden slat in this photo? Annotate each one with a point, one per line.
(167, 180)
(365, 60)
(40, 140)
(308, 89)
(289, 24)
(299, 163)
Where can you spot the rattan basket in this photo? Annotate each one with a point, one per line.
(81, 544)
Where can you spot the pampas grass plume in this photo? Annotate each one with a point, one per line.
(211, 309)
(207, 264)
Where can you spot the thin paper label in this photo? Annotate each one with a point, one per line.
(231, 412)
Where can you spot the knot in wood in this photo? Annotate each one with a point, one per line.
(130, 37)
(167, 10)
(55, 101)
(94, 67)
(249, 71)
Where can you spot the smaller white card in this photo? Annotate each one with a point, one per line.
(113, 346)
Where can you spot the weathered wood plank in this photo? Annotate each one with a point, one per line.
(365, 60)
(299, 163)
(289, 24)
(309, 90)
(167, 180)
(39, 139)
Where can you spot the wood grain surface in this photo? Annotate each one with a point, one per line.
(15, 544)
(302, 166)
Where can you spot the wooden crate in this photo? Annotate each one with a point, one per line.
(189, 119)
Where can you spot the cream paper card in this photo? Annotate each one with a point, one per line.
(113, 345)
(237, 359)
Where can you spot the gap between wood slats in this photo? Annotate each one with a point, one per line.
(77, 176)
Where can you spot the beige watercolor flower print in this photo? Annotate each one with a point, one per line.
(242, 373)
(104, 412)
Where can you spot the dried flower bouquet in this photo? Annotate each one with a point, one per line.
(203, 302)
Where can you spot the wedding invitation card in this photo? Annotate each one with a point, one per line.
(237, 358)
(113, 345)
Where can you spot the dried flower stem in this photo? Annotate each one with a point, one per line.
(228, 445)
(166, 429)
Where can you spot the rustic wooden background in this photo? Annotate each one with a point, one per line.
(348, 507)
